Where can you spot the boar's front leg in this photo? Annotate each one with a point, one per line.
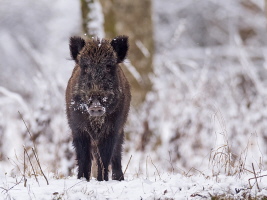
(104, 154)
(82, 145)
(116, 159)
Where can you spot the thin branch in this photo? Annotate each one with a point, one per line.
(33, 149)
(127, 165)
(73, 185)
(171, 162)
(37, 159)
(146, 168)
(155, 168)
(24, 168)
(26, 126)
(7, 190)
(255, 177)
(14, 163)
(34, 173)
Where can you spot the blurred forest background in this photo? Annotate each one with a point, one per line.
(198, 71)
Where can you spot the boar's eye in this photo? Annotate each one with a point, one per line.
(86, 69)
(108, 68)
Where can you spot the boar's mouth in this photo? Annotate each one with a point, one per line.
(94, 108)
(96, 111)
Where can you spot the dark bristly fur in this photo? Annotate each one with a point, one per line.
(97, 100)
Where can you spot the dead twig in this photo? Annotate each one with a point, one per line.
(146, 168)
(34, 173)
(155, 168)
(255, 177)
(33, 149)
(127, 165)
(73, 185)
(24, 168)
(14, 163)
(27, 128)
(171, 162)
(7, 190)
(38, 162)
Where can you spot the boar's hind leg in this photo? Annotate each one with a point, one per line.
(116, 159)
(82, 146)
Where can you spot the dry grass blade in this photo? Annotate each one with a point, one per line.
(24, 168)
(7, 190)
(127, 165)
(34, 173)
(37, 159)
(74, 185)
(155, 168)
(26, 127)
(255, 177)
(34, 149)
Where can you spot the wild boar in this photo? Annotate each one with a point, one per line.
(97, 104)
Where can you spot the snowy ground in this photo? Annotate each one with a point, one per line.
(219, 113)
(159, 186)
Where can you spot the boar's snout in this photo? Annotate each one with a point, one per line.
(96, 110)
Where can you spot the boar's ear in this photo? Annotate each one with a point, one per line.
(76, 45)
(120, 45)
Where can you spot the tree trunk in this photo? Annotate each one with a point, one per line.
(133, 18)
(92, 18)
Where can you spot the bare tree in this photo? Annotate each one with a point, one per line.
(133, 18)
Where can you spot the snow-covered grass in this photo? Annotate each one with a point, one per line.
(29, 181)
(163, 186)
(196, 136)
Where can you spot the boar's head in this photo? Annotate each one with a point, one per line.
(97, 89)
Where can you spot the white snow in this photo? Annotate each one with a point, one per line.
(104, 99)
(206, 114)
(162, 186)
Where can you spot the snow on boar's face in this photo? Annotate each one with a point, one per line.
(97, 89)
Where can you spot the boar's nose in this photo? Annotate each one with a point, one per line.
(95, 109)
